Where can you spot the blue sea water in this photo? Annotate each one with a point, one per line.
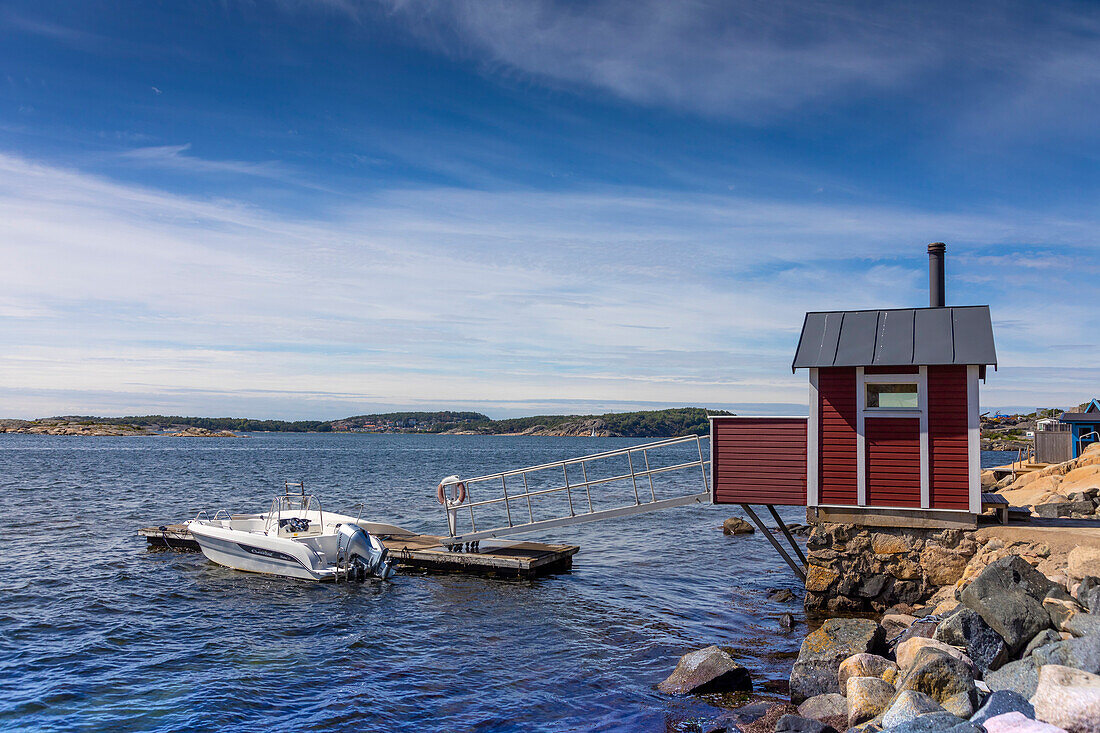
(99, 632)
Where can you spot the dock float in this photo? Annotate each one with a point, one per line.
(427, 553)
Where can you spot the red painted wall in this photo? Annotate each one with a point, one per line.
(759, 460)
(947, 437)
(836, 389)
(893, 461)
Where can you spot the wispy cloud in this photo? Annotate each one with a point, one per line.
(445, 296)
(754, 59)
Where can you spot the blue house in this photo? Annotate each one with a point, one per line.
(1084, 427)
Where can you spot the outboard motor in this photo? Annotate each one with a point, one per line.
(363, 554)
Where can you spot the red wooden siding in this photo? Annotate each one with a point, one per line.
(836, 389)
(893, 461)
(759, 460)
(948, 450)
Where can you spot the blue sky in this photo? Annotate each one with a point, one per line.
(314, 209)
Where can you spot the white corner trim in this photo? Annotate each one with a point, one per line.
(974, 440)
(925, 463)
(861, 442)
(713, 462)
(813, 443)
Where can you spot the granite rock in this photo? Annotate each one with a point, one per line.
(866, 665)
(1020, 676)
(1015, 722)
(815, 670)
(983, 645)
(1001, 702)
(907, 652)
(867, 698)
(737, 525)
(1080, 653)
(1083, 624)
(1044, 637)
(796, 724)
(1008, 595)
(1069, 698)
(907, 705)
(945, 679)
(937, 723)
(824, 706)
(706, 670)
(1083, 562)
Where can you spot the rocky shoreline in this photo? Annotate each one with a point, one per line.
(994, 630)
(98, 429)
(1004, 649)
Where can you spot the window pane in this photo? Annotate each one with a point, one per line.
(892, 396)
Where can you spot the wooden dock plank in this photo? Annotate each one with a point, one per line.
(428, 553)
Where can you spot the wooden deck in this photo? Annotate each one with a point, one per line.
(428, 554)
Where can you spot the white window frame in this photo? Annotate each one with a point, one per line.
(863, 413)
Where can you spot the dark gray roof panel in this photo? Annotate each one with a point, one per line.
(894, 341)
(973, 336)
(937, 343)
(897, 337)
(857, 337)
(1080, 417)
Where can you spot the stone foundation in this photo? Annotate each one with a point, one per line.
(855, 569)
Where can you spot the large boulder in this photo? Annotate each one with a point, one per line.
(867, 698)
(1088, 593)
(1061, 611)
(1083, 562)
(736, 525)
(1001, 702)
(866, 665)
(1083, 624)
(1020, 676)
(706, 670)
(1044, 637)
(908, 651)
(820, 707)
(909, 704)
(1008, 595)
(937, 723)
(1015, 722)
(1080, 653)
(815, 670)
(1068, 698)
(797, 724)
(945, 679)
(983, 645)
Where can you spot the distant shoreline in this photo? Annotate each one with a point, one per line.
(669, 423)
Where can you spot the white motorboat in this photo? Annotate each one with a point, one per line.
(296, 539)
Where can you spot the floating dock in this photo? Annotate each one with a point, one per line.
(428, 554)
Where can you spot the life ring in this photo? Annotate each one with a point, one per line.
(458, 490)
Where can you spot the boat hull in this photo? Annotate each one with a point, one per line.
(256, 553)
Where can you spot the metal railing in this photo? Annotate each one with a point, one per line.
(516, 510)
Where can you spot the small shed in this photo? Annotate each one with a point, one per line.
(1084, 427)
(893, 433)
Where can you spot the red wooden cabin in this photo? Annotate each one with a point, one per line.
(892, 436)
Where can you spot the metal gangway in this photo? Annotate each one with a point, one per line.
(617, 483)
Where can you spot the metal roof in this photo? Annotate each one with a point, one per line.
(1091, 414)
(898, 337)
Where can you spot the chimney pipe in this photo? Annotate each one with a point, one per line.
(936, 289)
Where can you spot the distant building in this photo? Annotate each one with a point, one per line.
(1084, 427)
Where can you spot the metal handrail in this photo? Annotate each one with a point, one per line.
(569, 486)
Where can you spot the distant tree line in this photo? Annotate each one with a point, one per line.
(643, 424)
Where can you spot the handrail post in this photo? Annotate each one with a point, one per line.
(507, 510)
(587, 487)
(568, 493)
(652, 491)
(527, 493)
(633, 478)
